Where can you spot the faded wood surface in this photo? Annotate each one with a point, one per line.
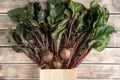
(6, 5)
(108, 56)
(97, 66)
(85, 71)
(112, 5)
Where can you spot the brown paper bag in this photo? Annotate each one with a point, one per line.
(58, 74)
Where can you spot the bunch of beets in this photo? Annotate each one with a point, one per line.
(60, 36)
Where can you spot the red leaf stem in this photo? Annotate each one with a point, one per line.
(46, 39)
(82, 57)
(41, 35)
(74, 49)
(70, 28)
(37, 39)
(78, 41)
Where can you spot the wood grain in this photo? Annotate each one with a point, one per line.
(108, 56)
(8, 55)
(98, 71)
(19, 71)
(6, 5)
(112, 5)
(85, 71)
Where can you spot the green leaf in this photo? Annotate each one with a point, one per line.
(18, 15)
(60, 9)
(80, 21)
(104, 29)
(59, 37)
(102, 36)
(60, 27)
(53, 13)
(41, 16)
(101, 42)
(94, 4)
(101, 14)
(11, 40)
(34, 22)
(68, 13)
(9, 36)
(24, 41)
(59, 18)
(76, 7)
(30, 10)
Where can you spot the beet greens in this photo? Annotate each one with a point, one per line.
(60, 36)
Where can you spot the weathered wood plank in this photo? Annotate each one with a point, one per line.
(6, 5)
(98, 71)
(112, 5)
(114, 20)
(5, 21)
(114, 41)
(3, 39)
(18, 71)
(85, 71)
(108, 56)
(8, 55)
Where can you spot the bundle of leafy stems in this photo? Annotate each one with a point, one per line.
(61, 36)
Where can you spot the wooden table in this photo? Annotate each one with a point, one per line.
(97, 66)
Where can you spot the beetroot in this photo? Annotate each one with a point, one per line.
(47, 57)
(65, 54)
(57, 64)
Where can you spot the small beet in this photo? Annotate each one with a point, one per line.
(47, 57)
(65, 53)
(57, 64)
